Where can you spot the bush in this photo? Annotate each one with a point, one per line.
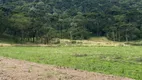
(55, 41)
(73, 42)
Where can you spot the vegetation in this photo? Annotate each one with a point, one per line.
(56, 21)
(42, 20)
(122, 61)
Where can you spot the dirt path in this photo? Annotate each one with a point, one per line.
(12, 69)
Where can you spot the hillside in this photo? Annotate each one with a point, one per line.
(42, 20)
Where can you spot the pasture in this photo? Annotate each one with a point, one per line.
(120, 61)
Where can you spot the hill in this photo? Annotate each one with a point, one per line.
(43, 20)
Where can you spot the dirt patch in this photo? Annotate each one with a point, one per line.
(12, 69)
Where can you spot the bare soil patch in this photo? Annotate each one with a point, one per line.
(12, 69)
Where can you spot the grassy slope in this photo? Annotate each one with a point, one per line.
(99, 39)
(122, 61)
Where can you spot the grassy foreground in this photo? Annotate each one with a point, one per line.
(122, 61)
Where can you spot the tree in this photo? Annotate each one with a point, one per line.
(78, 29)
(20, 24)
(4, 22)
(118, 20)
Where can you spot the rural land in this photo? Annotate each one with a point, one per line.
(70, 40)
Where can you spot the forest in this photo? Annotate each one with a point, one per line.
(43, 20)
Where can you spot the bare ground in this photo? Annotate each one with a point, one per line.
(12, 69)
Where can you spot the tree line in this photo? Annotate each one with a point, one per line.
(43, 20)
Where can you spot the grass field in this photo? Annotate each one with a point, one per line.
(121, 61)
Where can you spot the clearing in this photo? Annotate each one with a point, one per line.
(119, 61)
(11, 69)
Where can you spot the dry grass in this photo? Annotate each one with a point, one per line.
(96, 41)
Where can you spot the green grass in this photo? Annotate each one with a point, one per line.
(120, 61)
